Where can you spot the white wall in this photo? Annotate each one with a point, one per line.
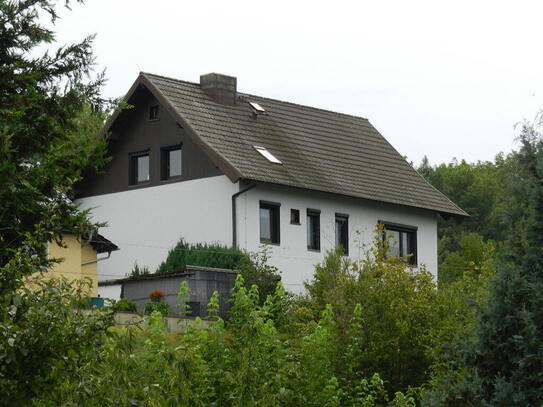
(146, 222)
(112, 292)
(292, 255)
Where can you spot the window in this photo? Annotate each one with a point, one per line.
(342, 232)
(153, 112)
(139, 168)
(269, 222)
(402, 241)
(266, 154)
(257, 107)
(171, 162)
(313, 229)
(294, 216)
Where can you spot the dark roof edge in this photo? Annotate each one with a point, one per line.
(153, 276)
(102, 245)
(459, 215)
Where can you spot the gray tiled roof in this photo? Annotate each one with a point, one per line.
(320, 150)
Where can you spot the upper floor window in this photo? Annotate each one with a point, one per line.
(153, 112)
(402, 241)
(342, 232)
(171, 162)
(139, 168)
(269, 222)
(313, 229)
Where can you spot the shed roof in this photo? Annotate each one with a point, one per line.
(318, 149)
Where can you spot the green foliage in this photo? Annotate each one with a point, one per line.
(138, 271)
(44, 337)
(500, 362)
(123, 305)
(245, 362)
(507, 356)
(154, 306)
(46, 107)
(384, 310)
(201, 254)
(474, 255)
(256, 271)
(50, 114)
(183, 296)
(157, 303)
(495, 194)
(253, 267)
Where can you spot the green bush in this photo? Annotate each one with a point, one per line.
(244, 362)
(384, 311)
(152, 306)
(253, 267)
(201, 254)
(123, 305)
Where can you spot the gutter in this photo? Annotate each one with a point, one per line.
(97, 260)
(234, 213)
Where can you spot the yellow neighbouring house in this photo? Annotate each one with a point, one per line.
(80, 257)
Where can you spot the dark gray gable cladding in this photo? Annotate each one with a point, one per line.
(319, 150)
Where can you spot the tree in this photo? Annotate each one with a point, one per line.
(507, 356)
(503, 361)
(396, 308)
(50, 110)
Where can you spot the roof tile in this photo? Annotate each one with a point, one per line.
(320, 150)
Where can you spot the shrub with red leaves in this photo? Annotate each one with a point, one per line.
(156, 295)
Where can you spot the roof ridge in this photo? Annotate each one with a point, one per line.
(263, 97)
(169, 78)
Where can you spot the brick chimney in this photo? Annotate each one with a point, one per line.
(220, 88)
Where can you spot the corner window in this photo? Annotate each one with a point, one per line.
(402, 241)
(139, 168)
(153, 112)
(294, 216)
(269, 222)
(342, 232)
(313, 229)
(171, 162)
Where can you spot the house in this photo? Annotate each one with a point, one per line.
(202, 282)
(208, 163)
(79, 259)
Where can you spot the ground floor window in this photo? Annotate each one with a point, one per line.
(402, 241)
(313, 229)
(342, 232)
(269, 222)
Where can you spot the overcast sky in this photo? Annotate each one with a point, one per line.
(442, 79)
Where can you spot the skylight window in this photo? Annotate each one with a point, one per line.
(269, 156)
(257, 107)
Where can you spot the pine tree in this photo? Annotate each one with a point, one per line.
(507, 357)
(50, 109)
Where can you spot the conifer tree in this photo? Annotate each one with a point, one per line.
(507, 357)
(50, 109)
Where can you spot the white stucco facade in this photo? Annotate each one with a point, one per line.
(146, 222)
(292, 256)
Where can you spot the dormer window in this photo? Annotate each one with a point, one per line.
(153, 112)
